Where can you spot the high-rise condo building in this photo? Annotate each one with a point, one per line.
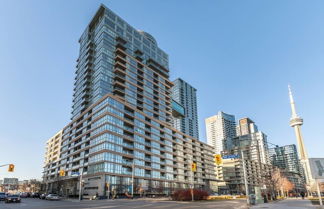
(251, 146)
(52, 156)
(286, 158)
(122, 119)
(186, 95)
(219, 129)
(246, 126)
(230, 175)
(255, 146)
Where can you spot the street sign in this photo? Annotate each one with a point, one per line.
(75, 174)
(231, 157)
(317, 167)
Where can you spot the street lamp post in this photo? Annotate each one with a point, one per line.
(245, 179)
(133, 170)
(80, 185)
(192, 186)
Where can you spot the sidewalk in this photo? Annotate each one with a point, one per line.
(288, 204)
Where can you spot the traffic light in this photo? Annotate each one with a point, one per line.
(62, 172)
(218, 159)
(11, 168)
(193, 167)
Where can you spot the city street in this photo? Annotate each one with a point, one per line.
(289, 204)
(127, 204)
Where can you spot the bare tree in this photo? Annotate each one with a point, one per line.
(287, 185)
(281, 182)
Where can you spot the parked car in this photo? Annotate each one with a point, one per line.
(52, 197)
(43, 196)
(23, 194)
(12, 198)
(2, 196)
(35, 195)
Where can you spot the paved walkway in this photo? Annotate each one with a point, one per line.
(288, 204)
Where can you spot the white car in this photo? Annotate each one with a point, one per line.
(52, 197)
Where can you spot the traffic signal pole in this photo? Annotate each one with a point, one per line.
(10, 168)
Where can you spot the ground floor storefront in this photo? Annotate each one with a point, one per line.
(104, 185)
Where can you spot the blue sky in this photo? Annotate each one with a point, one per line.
(240, 55)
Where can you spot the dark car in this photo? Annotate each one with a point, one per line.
(42, 196)
(23, 194)
(12, 198)
(35, 195)
(2, 196)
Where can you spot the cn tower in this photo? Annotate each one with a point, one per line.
(296, 122)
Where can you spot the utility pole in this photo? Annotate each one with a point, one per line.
(245, 179)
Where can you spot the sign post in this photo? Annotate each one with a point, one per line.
(317, 170)
(193, 169)
(319, 191)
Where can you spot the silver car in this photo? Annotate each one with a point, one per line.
(52, 197)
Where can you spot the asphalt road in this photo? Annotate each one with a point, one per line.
(289, 204)
(30, 203)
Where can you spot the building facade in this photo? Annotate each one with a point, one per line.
(186, 95)
(250, 146)
(52, 156)
(246, 126)
(122, 119)
(231, 175)
(219, 129)
(286, 158)
(255, 145)
(9, 185)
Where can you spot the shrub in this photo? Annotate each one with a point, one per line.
(185, 195)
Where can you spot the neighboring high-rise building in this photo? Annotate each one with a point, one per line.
(122, 119)
(52, 156)
(246, 126)
(219, 129)
(254, 144)
(286, 158)
(186, 95)
(231, 178)
(296, 122)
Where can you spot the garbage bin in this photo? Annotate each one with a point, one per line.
(252, 199)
